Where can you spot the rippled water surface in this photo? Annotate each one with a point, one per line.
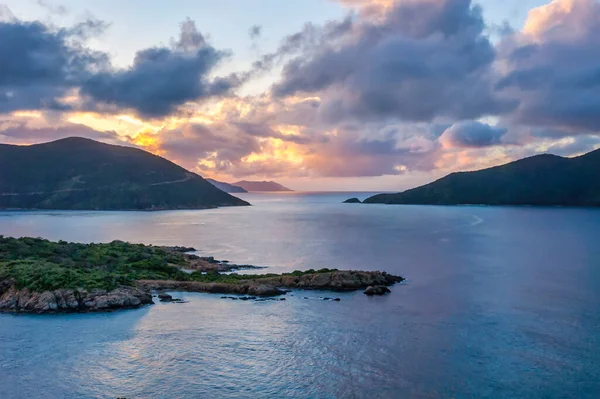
(500, 302)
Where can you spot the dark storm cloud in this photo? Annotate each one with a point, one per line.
(40, 65)
(161, 78)
(472, 135)
(426, 59)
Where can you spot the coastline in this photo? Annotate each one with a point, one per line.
(34, 285)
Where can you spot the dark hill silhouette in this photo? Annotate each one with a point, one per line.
(261, 186)
(78, 173)
(228, 188)
(539, 180)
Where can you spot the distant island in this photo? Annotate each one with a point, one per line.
(82, 174)
(40, 276)
(264, 186)
(541, 180)
(228, 188)
(352, 201)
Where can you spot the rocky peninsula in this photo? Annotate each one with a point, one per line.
(40, 276)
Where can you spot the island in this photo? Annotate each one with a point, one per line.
(41, 276)
(541, 180)
(228, 188)
(352, 201)
(261, 186)
(82, 174)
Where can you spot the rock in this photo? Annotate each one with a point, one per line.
(70, 300)
(337, 299)
(336, 280)
(180, 249)
(264, 290)
(377, 290)
(352, 201)
(210, 264)
(333, 280)
(165, 297)
(168, 298)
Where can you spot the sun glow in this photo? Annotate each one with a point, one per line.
(27, 114)
(276, 150)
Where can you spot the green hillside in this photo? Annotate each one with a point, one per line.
(542, 180)
(78, 173)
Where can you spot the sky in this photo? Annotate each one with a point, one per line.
(372, 95)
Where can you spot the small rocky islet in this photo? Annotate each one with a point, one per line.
(41, 276)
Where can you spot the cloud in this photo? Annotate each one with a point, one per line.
(347, 154)
(161, 78)
(553, 67)
(306, 41)
(6, 14)
(40, 65)
(23, 134)
(424, 60)
(395, 87)
(472, 135)
(575, 145)
(255, 31)
(56, 9)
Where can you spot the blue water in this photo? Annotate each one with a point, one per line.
(500, 302)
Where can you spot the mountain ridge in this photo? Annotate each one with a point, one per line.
(228, 188)
(540, 180)
(261, 186)
(76, 173)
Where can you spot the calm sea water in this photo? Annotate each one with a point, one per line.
(500, 302)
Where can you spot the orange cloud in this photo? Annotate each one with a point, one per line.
(561, 19)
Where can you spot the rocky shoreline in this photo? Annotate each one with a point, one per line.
(13, 300)
(339, 280)
(41, 276)
(251, 288)
(209, 264)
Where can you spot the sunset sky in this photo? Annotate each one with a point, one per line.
(316, 94)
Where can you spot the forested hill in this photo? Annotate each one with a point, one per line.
(540, 180)
(77, 173)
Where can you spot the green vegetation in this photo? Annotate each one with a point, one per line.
(234, 278)
(41, 265)
(77, 173)
(543, 180)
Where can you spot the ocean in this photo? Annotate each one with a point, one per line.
(499, 302)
